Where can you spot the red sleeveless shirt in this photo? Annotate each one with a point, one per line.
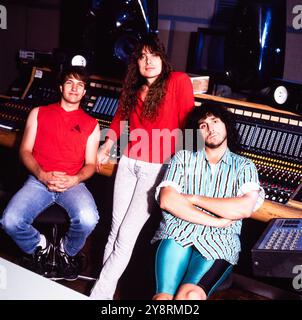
(61, 138)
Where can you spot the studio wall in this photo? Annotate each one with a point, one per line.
(28, 27)
(180, 17)
(35, 25)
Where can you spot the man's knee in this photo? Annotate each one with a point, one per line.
(190, 291)
(87, 220)
(162, 296)
(196, 294)
(11, 223)
(89, 224)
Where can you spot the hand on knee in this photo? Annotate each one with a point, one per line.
(162, 296)
(189, 291)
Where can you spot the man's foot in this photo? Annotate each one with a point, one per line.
(69, 266)
(36, 261)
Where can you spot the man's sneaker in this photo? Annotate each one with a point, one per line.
(36, 261)
(69, 267)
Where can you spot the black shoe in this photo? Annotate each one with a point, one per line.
(69, 266)
(36, 261)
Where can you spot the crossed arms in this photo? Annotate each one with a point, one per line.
(228, 209)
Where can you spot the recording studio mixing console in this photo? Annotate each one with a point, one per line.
(279, 249)
(271, 139)
(13, 114)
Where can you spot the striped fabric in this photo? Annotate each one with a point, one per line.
(190, 173)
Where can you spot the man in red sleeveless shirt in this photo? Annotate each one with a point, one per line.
(59, 149)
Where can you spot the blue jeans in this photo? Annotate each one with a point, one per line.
(33, 198)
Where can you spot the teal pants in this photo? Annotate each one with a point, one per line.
(176, 265)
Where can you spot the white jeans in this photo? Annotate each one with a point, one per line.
(133, 201)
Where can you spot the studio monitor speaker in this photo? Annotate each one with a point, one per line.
(206, 51)
(281, 94)
(254, 48)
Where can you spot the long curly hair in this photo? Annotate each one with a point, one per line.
(134, 80)
(220, 111)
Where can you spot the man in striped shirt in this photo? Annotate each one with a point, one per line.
(204, 196)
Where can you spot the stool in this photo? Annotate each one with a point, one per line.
(58, 219)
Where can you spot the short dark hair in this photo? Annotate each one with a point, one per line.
(79, 73)
(218, 110)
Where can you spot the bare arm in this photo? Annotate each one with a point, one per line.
(90, 155)
(231, 208)
(27, 145)
(178, 205)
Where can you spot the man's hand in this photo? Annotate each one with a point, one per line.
(102, 158)
(58, 181)
(223, 222)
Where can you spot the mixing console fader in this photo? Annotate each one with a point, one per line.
(274, 143)
(13, 114)
(101, 102)
(279, 249)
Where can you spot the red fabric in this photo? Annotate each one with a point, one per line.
(61, 138)
(179, 100)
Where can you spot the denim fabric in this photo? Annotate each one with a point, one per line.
(33, 198)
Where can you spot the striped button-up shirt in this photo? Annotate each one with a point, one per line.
(191, 173)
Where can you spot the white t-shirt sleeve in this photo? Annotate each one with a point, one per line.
(166, 183)
(253, 186)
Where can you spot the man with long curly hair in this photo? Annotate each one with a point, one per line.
(154, 102)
